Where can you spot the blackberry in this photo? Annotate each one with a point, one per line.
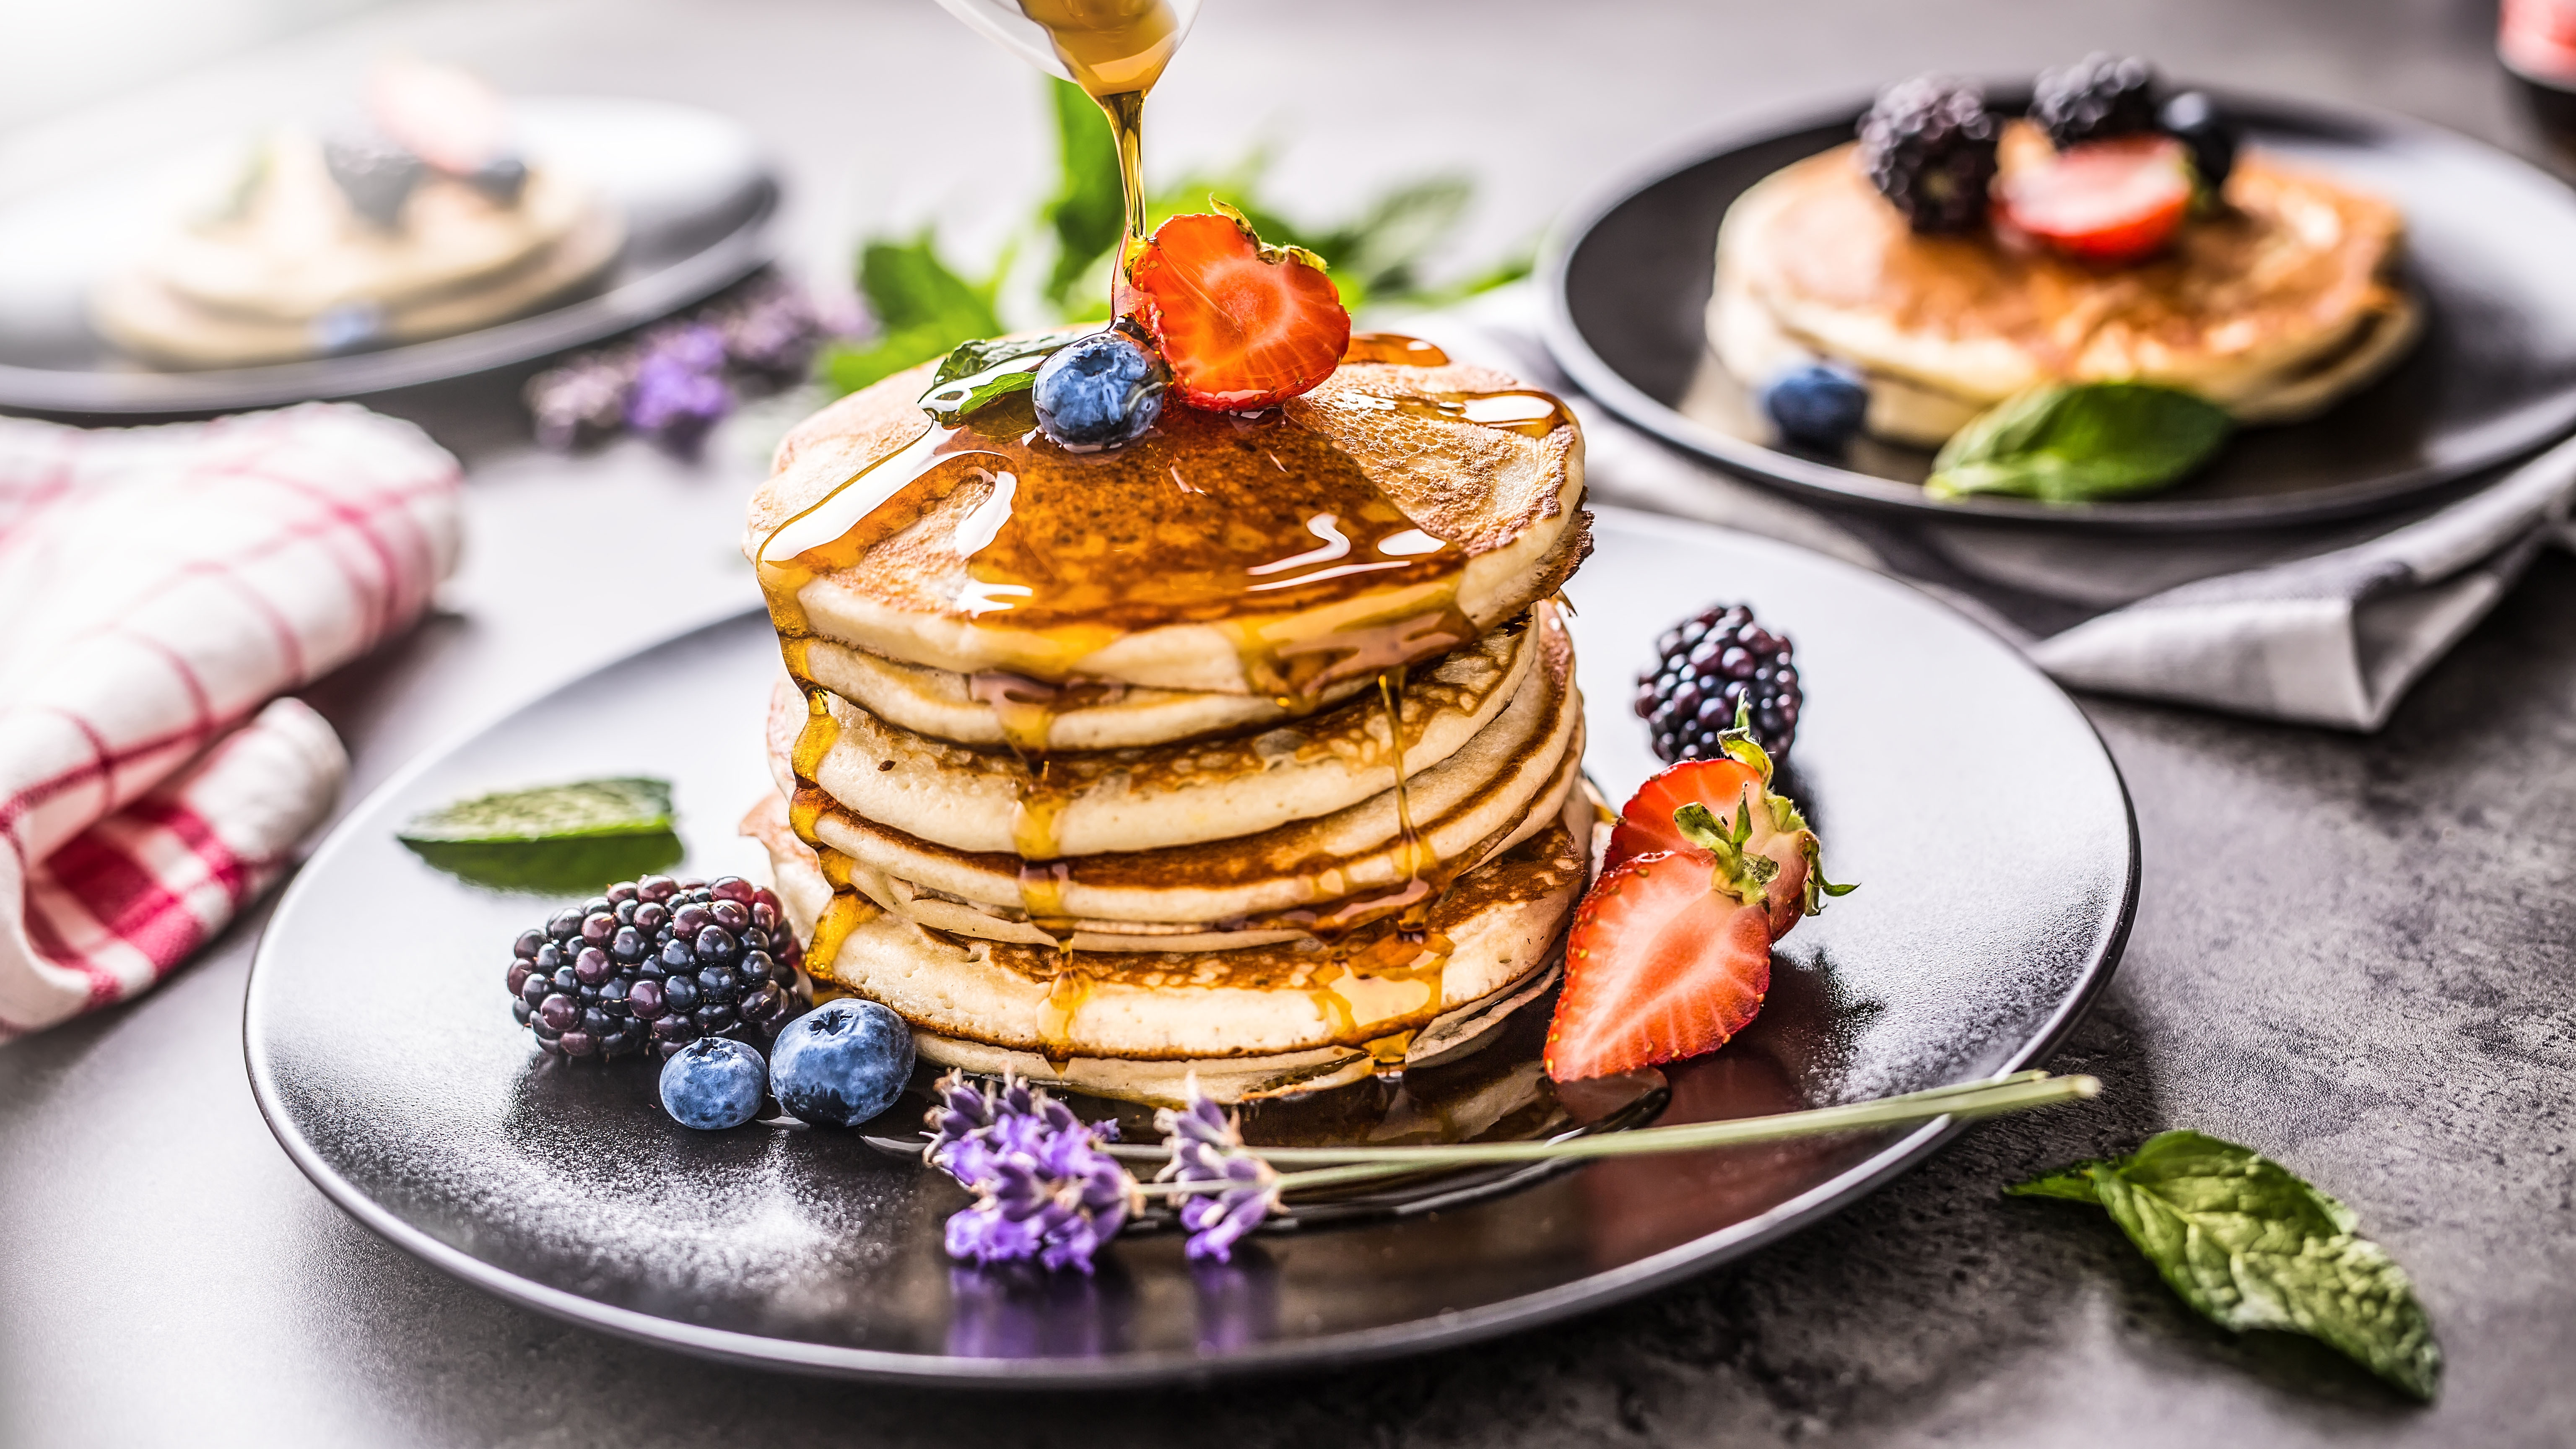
(1929, 147)
(1705, 667)
(2095, 99)
(660, 962)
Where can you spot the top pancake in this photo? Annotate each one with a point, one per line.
(1370, 523)
(2247, 309)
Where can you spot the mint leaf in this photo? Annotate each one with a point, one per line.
(923, 308)
(560, 839)
(986, 370)
(2251, 1246)
(2072, 443)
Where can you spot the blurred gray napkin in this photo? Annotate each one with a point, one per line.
(2323, 625)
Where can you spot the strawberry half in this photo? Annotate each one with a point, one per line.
(1241, 324)
(1658, 966)
(2107, 202)
(1670, 952)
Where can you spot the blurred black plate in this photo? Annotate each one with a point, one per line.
(386, 1061)
(692, 186)
(2493, 376)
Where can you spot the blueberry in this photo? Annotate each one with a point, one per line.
(841, 1063)
(1817, 406)
(2195, 120)
(1098, 391)
(712, 1083)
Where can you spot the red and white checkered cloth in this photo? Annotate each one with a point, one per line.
(159, 589)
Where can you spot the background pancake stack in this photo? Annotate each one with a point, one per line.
(1250, 749)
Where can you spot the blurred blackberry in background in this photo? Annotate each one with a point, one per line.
(375, 175)
(2095, 99)
(1704, 667)
(658, 962)
(1929, 147)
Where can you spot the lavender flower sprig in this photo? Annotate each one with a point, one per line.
(1049, 1187)
(1044, 1190)
(1233, 1189)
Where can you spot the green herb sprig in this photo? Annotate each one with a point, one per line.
(926, 306)
(2250, 1245)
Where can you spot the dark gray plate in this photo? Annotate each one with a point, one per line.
(2494, 375)
(693, 187)
(381, 1048)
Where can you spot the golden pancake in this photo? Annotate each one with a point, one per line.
(1031, 714)
(1261, 1018)
(1522, 763)
(2272, 308)
(1387, 517)
(989, 799)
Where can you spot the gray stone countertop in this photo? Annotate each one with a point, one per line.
(2353, 953)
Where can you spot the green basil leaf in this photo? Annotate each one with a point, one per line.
(983, 371)
(561, 839)
(2073, 443)
(2250, 1245)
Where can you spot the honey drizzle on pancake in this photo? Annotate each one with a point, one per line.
(1065, 996)
(1393, 347)
(1526, 411)
(845, 912)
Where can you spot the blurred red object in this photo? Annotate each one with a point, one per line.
(2536, 39)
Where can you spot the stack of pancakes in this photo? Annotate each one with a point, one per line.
(1249, 751)
(2275, 307)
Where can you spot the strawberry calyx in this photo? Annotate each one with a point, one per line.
(1734, 871)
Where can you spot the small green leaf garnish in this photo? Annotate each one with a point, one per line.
(922, 308)
(2250, 1245)
(555, 840)
(2073, 443)
(986, 371)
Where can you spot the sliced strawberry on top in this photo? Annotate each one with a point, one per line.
(1242, 325)
(1658, 966)
(2103, 201)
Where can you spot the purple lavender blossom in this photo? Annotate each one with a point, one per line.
(771, 330)
(679, 393)
(582, 402)
(1207, 1146)
(1044, 1191)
